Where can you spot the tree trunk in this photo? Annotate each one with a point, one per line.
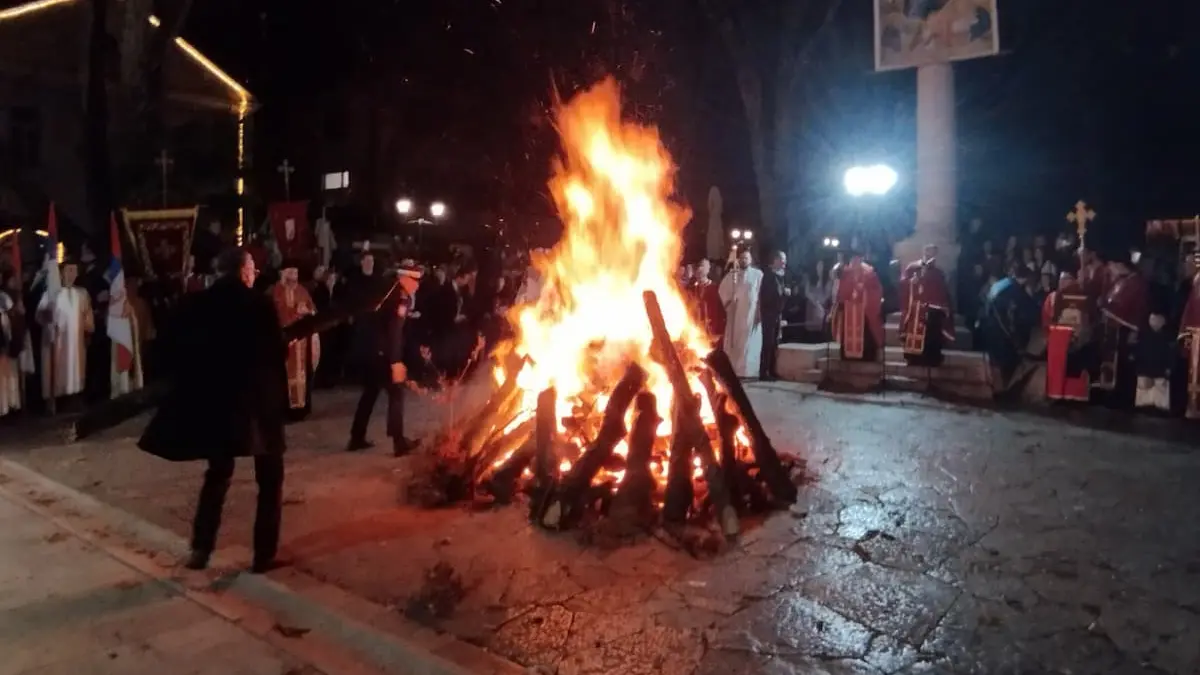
(96, 124)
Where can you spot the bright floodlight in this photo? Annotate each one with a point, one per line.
(834, 243)
(404, 206)
(747, 235)
(437, 209)
(736, 234)
(870, 180)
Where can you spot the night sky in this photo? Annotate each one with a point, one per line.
(1089, 99)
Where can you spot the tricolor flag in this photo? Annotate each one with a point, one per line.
(120, 325)
(50, 264)
(16, 255)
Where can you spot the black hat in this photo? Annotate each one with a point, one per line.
(289, 264)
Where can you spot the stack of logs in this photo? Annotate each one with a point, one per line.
(464, 468)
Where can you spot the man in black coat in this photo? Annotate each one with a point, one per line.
(225, 360)
(772, 296)
(380, 359)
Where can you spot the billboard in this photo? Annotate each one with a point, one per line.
(912, 33)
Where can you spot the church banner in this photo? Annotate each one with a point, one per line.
(289, 224)
(163, 238)
(913, 33)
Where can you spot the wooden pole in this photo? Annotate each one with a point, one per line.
(680, 492)
(633, 501)
(692, 425)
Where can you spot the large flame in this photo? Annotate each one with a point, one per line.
(613, 186)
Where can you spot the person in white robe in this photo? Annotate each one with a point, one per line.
(16, 359)
(743, 325)
(66, 315)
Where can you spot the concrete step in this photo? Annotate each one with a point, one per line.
(963, 339)
(944, 373)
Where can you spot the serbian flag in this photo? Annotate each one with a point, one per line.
(120, 325)
(50, 264)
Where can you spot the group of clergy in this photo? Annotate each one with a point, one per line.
(64, 321)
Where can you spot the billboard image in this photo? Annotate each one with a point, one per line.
(911, 33)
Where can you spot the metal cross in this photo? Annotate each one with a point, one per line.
(164, 163)
(1081, 216)
(286, 169)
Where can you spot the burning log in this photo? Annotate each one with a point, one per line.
(491, 416)
(502, 484)
(776, 477)
(501, 445)
(565, 507)
(691, 424)
(545, 470)
(633, 500)
(680, 493)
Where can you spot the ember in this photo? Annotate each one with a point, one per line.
(611, 401)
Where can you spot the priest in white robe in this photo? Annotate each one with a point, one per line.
(66, 314)
(743, 325)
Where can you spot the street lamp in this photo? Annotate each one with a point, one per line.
(437, 209)
(831, 242)
(876, 180)
(404, 206)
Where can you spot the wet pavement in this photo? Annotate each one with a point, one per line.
(931, 539)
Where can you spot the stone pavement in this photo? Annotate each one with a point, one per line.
(931, 539)
(68, 607)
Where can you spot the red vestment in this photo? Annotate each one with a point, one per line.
(1065, 314)
(1189, 337)
(194, 282)
(1093, 279)
(1123, 311)
(922, 287)
(292, 302)
(857, 310)
(706, 301)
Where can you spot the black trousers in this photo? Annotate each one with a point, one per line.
(268, 473)
(371, 387)
(770, 349)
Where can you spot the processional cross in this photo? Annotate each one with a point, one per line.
(164, 163)
(1081, 216)
(286, 169)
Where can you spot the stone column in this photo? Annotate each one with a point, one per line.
(937, 176)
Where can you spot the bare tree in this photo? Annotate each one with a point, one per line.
(771, 43)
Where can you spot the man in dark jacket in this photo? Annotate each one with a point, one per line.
(772, 296)
(225, 360)
(380, 355)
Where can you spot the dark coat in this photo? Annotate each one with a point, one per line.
(225, 360)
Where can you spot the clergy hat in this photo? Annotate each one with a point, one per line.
(289, 264)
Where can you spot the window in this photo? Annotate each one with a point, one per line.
(25, 136)
(339, 180)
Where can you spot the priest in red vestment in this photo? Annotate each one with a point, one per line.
(1189, 340)
(1067, 319)
(926, 322)
(706, 301)
(857, 318)
(1123, 313)
(293, 302)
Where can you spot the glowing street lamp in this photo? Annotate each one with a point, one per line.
(831, 242)
(876, 180)
(741, 235)
(404, 206)
(437, 209)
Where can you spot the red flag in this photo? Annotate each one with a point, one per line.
(114, 236)
(16, 253)
(52, 228)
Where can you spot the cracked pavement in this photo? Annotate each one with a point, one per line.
(931, 539)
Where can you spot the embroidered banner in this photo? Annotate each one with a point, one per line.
(289, 224)
(913, 33)
(163, 238)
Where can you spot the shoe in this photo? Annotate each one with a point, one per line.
(264, 565)
(402, 446)
(358, 445)
(197, 560)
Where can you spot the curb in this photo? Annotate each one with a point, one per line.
(361, 638)
(925, 401)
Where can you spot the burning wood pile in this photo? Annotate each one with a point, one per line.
(611, 404)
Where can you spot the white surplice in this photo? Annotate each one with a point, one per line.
(743, 326)
(67, 320)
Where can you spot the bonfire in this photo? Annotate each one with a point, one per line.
(610, 402)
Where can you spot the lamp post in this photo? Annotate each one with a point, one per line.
(866, 182)
(405, 207)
